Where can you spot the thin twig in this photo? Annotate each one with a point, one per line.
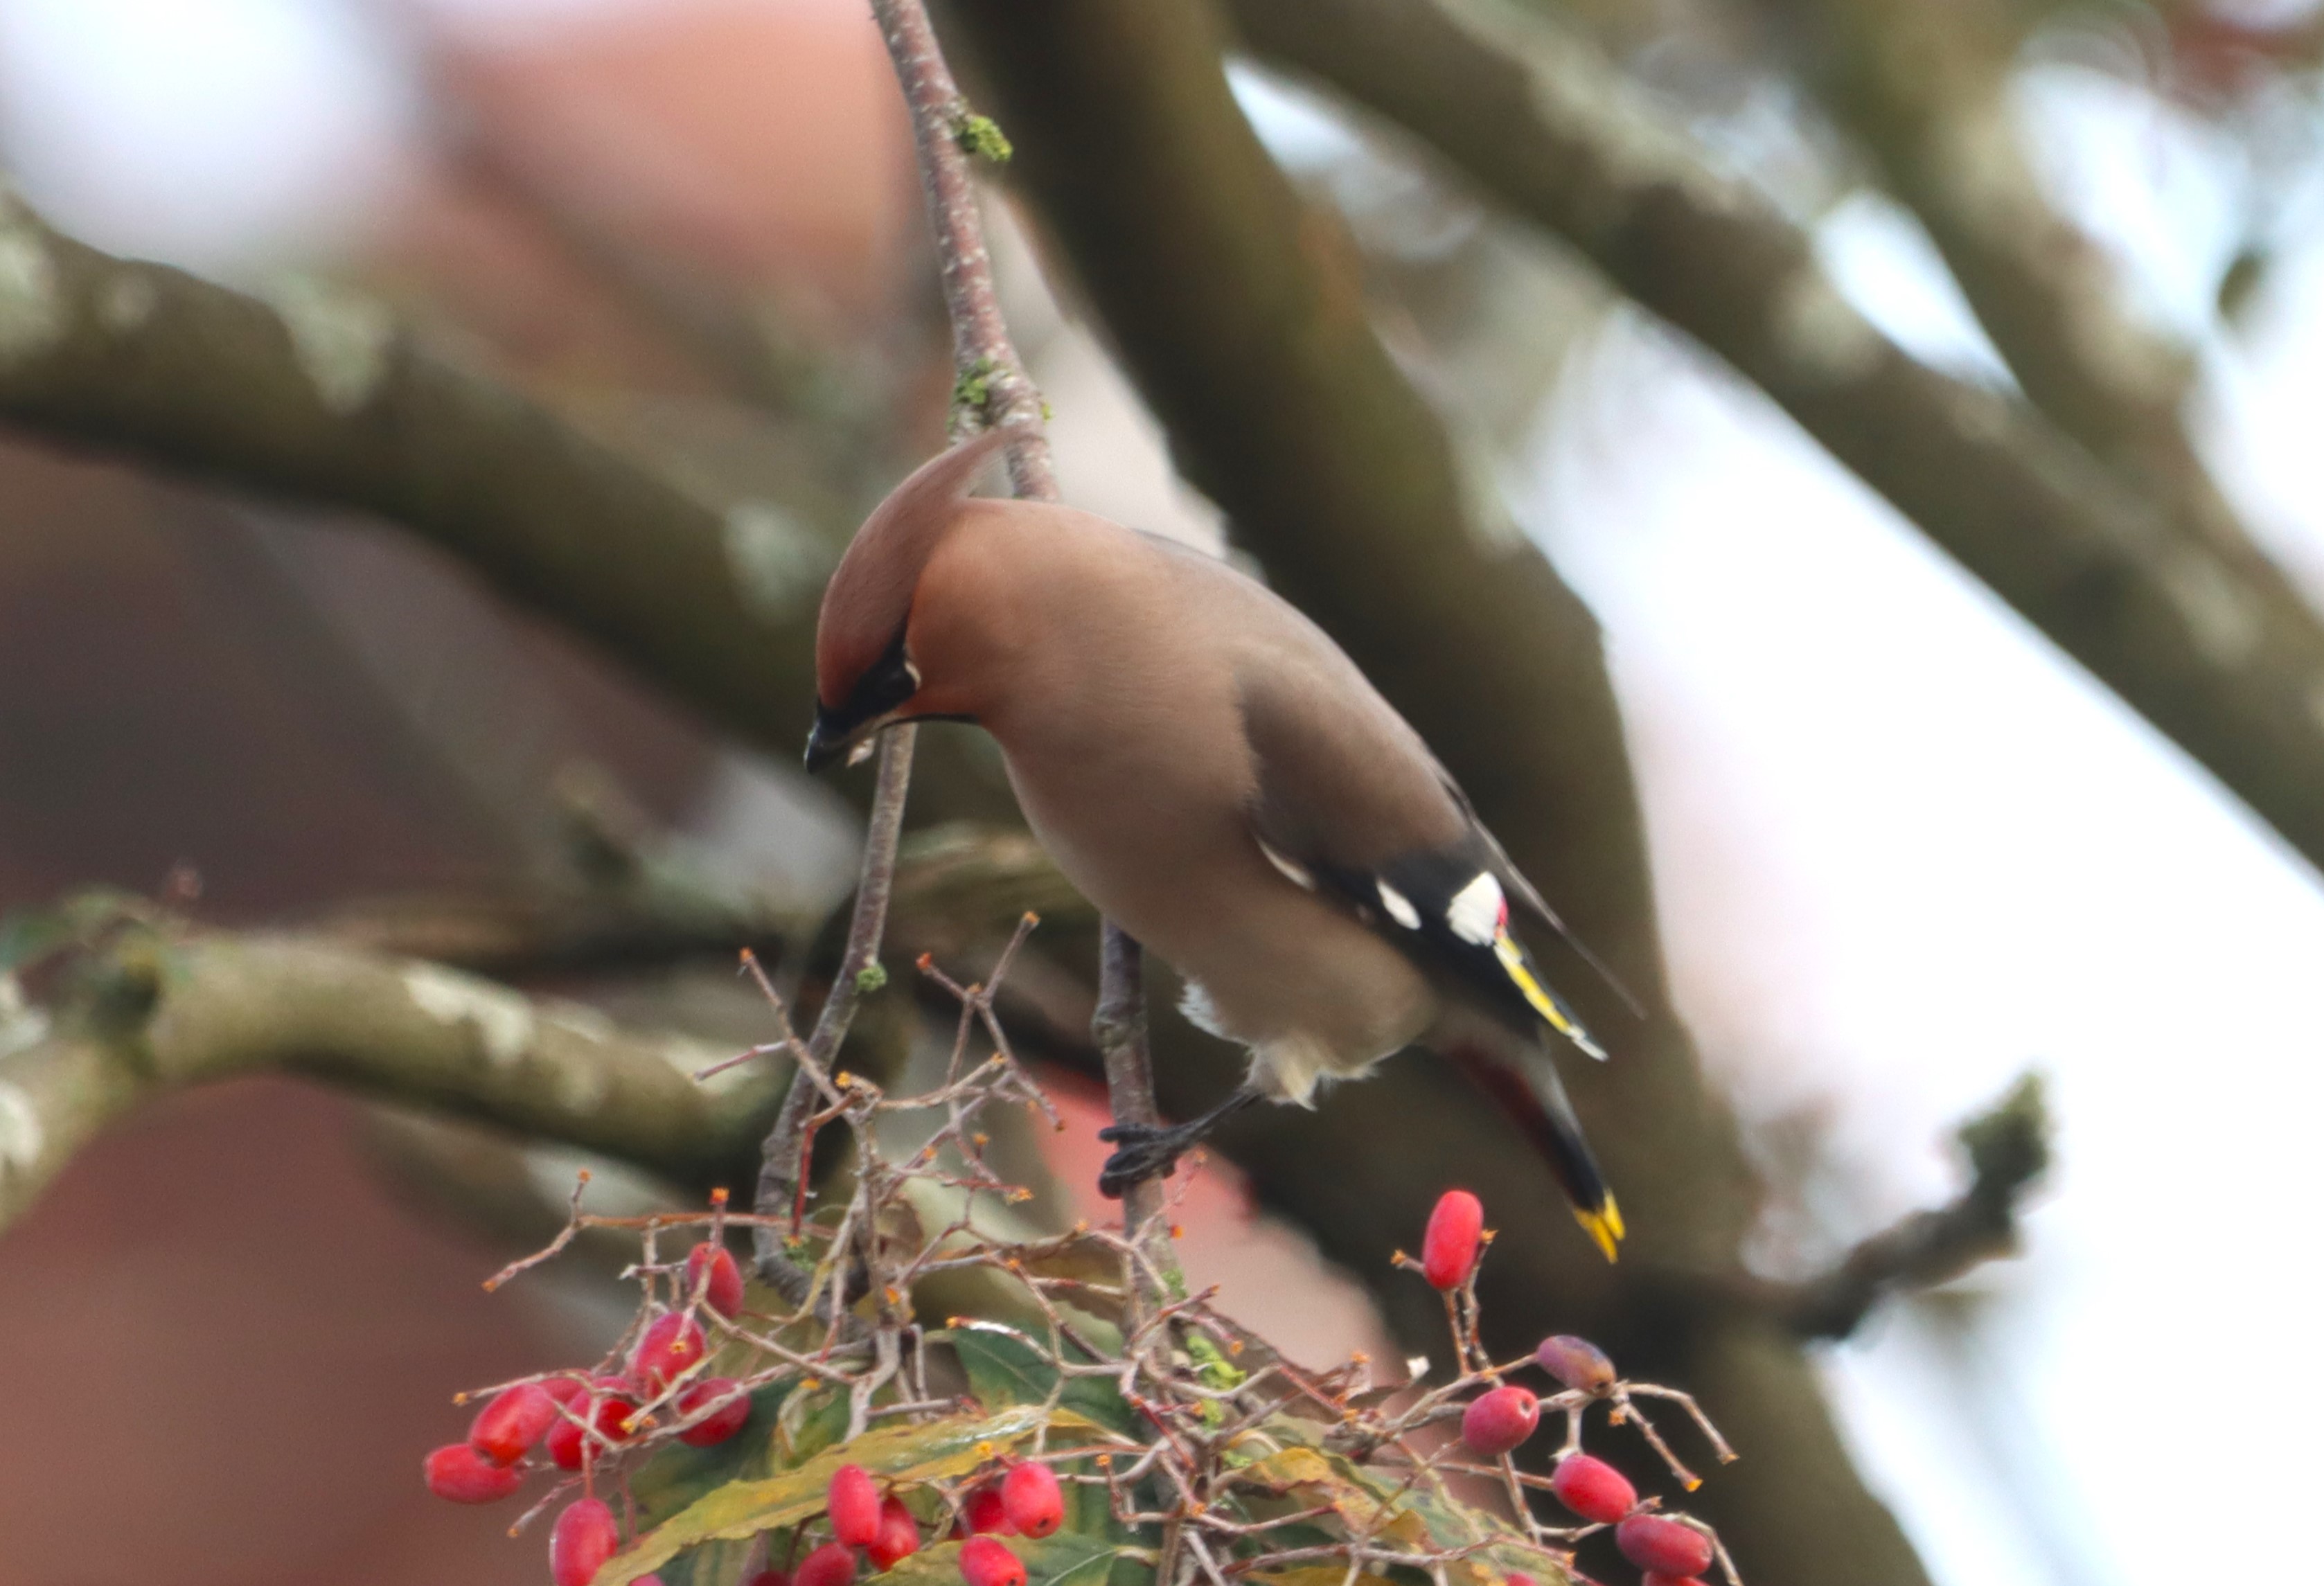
(786, 1143)
(983, 357)
(986, 360)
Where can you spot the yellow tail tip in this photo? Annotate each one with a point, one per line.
(1603, 1225)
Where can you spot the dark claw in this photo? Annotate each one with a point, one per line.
(1146, 1151)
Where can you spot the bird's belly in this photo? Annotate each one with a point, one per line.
(1311, 993)
(1325, 1004)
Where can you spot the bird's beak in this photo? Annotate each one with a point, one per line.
(826, 745)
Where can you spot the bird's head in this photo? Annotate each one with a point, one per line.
(865, 673)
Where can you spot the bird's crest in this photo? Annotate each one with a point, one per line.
(870, 596)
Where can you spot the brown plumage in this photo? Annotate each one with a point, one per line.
(1214, 773)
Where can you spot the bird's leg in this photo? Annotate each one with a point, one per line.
(1143, 1151)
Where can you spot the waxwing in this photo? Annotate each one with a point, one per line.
(1214, 773)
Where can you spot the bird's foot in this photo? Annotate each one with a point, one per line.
(1143, 1151)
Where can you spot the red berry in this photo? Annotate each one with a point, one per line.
(568, 1445)
(513, 1423)
(672, 1344)
(1496, 1422)
(1029, 1497)
(984, 1511)
(1593, 1489)
(900, 1535)
(585, 1538)
(1576, 1362)
(1519, 1578)
(1665, 1546)
(724, 1292)
(855, 1504)
(460, 1473)
(1655, 1578)
(1448, 1250)
(986, 1561)
(729, 1408)
(768, 1578)
(563, 1444)
(832, 1565)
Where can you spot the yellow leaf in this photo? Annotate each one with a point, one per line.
(930, 1451)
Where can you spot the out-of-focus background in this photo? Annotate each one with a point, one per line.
(1903, 849)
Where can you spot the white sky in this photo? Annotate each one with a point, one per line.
(1904, 850)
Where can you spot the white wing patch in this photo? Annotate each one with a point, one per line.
(1297, 875)
(1399, 907)
(1477, 911)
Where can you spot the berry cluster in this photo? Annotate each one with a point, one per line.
(576, 1419)
(1090, 1413)
(867, 1524)
(1673, 1550)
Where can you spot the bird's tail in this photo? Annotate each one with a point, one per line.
(1529, 1091)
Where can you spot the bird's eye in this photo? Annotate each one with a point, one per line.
(884, 687)
(890, 682)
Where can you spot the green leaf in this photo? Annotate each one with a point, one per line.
(811, 1422)
(29, 935)
(1068, 1558)
(912, 1454)
(677, 1475)
(1004, 1369)
(1089, 1508)
(1380, 1505)
(714, 1563)
(1315, 1575)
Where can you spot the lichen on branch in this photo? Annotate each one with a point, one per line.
(143, 1005)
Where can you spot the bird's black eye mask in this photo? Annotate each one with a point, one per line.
(884, 687)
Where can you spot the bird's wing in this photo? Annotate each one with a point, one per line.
(1530, 902)
(1347, 799)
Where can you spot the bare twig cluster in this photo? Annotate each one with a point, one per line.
(1196, 1448)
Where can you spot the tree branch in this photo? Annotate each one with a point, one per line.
(364, 1000)
(1928, 92)
(2194, 630)
(155, 1010)
(994, 385)
(2008, 1148)
(323, 398)
(957, 887)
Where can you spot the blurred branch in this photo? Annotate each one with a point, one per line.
(1238, 312)
(322, 397)
(1928, 92)
(2008, 1148)
(151, 1010)
(2172, 608)
(958, 887)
